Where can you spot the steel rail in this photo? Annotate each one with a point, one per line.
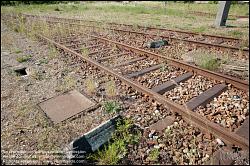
(241, 84)
(163, 36)
(228, 137)
(152, 28)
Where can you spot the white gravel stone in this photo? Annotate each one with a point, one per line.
(220, 142)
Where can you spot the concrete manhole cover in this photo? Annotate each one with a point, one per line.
(62, 107)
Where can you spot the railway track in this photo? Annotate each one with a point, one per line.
(155, 92)
(226, 43)
(175, 49)
(135, 66)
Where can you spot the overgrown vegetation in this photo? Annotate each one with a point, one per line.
(17, 51)
(143, 13)
(85, 52)
(111, 106)
(37, 75)
(236, 33)
(154, 154)
(53, 52)
(4, 3)
(207, 61)
(110, 88)
(117, 147)
(24, 58)
(67, 84)
(164, 68)
(90, 85)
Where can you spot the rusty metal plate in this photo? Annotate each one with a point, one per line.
(62, 107)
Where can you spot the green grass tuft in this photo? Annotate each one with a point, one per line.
(117, 148)
(207, 61)
(18, 51)
(154, 154)
(111, 106)
(23, 58)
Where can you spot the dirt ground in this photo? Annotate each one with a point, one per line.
(24, 127)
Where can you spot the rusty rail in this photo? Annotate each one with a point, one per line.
(164, 36)
(199, 121)
(244, 85)
(241, 84)
(192, 117)
(152, 28)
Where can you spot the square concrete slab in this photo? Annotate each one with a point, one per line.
(62, 107)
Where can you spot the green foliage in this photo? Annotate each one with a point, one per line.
(53, 52)
(45, 61)
(111, 154)
(200, 29)
(164, 68)
(4, 3)
(139, 10)
(67, 84)
(236, 33)
(213, 2)
(111, 106)
(85, 52)
(18, 51)
(23, 58)
(154, 154)
(117, 147)
(207, 61)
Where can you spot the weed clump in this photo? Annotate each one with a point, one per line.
(112, 153)
(90, 85)
(154, 154)
(110, 88)
(207, 61)
(18, 51)
(85, 52)
(111, 106)
(67, 84)
(23, 58)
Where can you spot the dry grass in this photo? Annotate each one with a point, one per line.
(7, 40)
(110, 88)
(90, 85)
(148, 14)
(67, 84)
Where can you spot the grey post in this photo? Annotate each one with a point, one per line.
(222, 13)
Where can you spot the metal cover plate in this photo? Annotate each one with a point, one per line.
(62, 107)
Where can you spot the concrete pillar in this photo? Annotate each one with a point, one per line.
(222, 13)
